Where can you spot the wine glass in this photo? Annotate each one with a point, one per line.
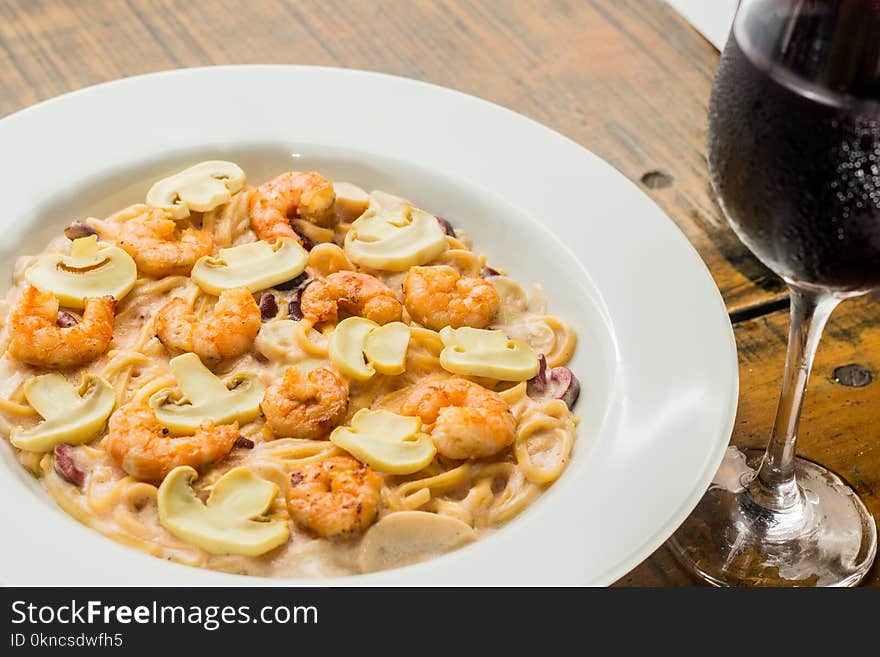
(794, 152)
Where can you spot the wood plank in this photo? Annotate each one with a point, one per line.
(628, 79)
(840, 427)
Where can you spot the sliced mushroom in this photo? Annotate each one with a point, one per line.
(311, 234)
(479, 352)
(232, 521)
(351, 201)
(70, 415)
(346, 348)
(513, 299)
(408, 537)
(395, 240)
(90, 270)
(201, 187)
(386, 346)
(388, 202)
(203, 396)
(360, 347)
(256, 266)
(385, 441)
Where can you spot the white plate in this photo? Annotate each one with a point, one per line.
(656, 352)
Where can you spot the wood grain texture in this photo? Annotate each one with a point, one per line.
(629, 79)
(840, 426)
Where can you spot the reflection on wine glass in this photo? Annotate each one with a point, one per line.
(794, 151)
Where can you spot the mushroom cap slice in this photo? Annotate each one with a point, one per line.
(203, 396)
(513, 300)
(385, 441)
(201, 187)
(71, 415)
(394, 240)
(90, 270)
(231, 521)
(480, 352)
(407, 537)
(351, 201)
(388, 202)
(360, 347)
(346, 348)
(385, 347)
(256, 266)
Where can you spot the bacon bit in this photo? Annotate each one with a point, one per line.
(556, 383)
(66, 320)
(538, 383)
(446, 226)
(66, 467)
(296, 478)
(246, 443)
(268, 306)
(488, 272)
(77, 230)
(565, 385)
(294, 309)
(307, 242)
(293, 282)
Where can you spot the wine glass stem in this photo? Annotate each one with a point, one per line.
(775, 487)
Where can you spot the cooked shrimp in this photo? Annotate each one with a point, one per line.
(146, 451)
(307, 195)
(464, 419)
(226, 332)
(305, 405)
(354, 294)
(439, 296)
(38, 336)
(159, 248)
(334, 497)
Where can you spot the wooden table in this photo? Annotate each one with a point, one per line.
(628, 79)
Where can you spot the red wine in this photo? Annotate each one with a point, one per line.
(794, 140)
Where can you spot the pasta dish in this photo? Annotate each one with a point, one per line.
(297, 379)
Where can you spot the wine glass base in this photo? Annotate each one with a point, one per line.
(728, 540)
